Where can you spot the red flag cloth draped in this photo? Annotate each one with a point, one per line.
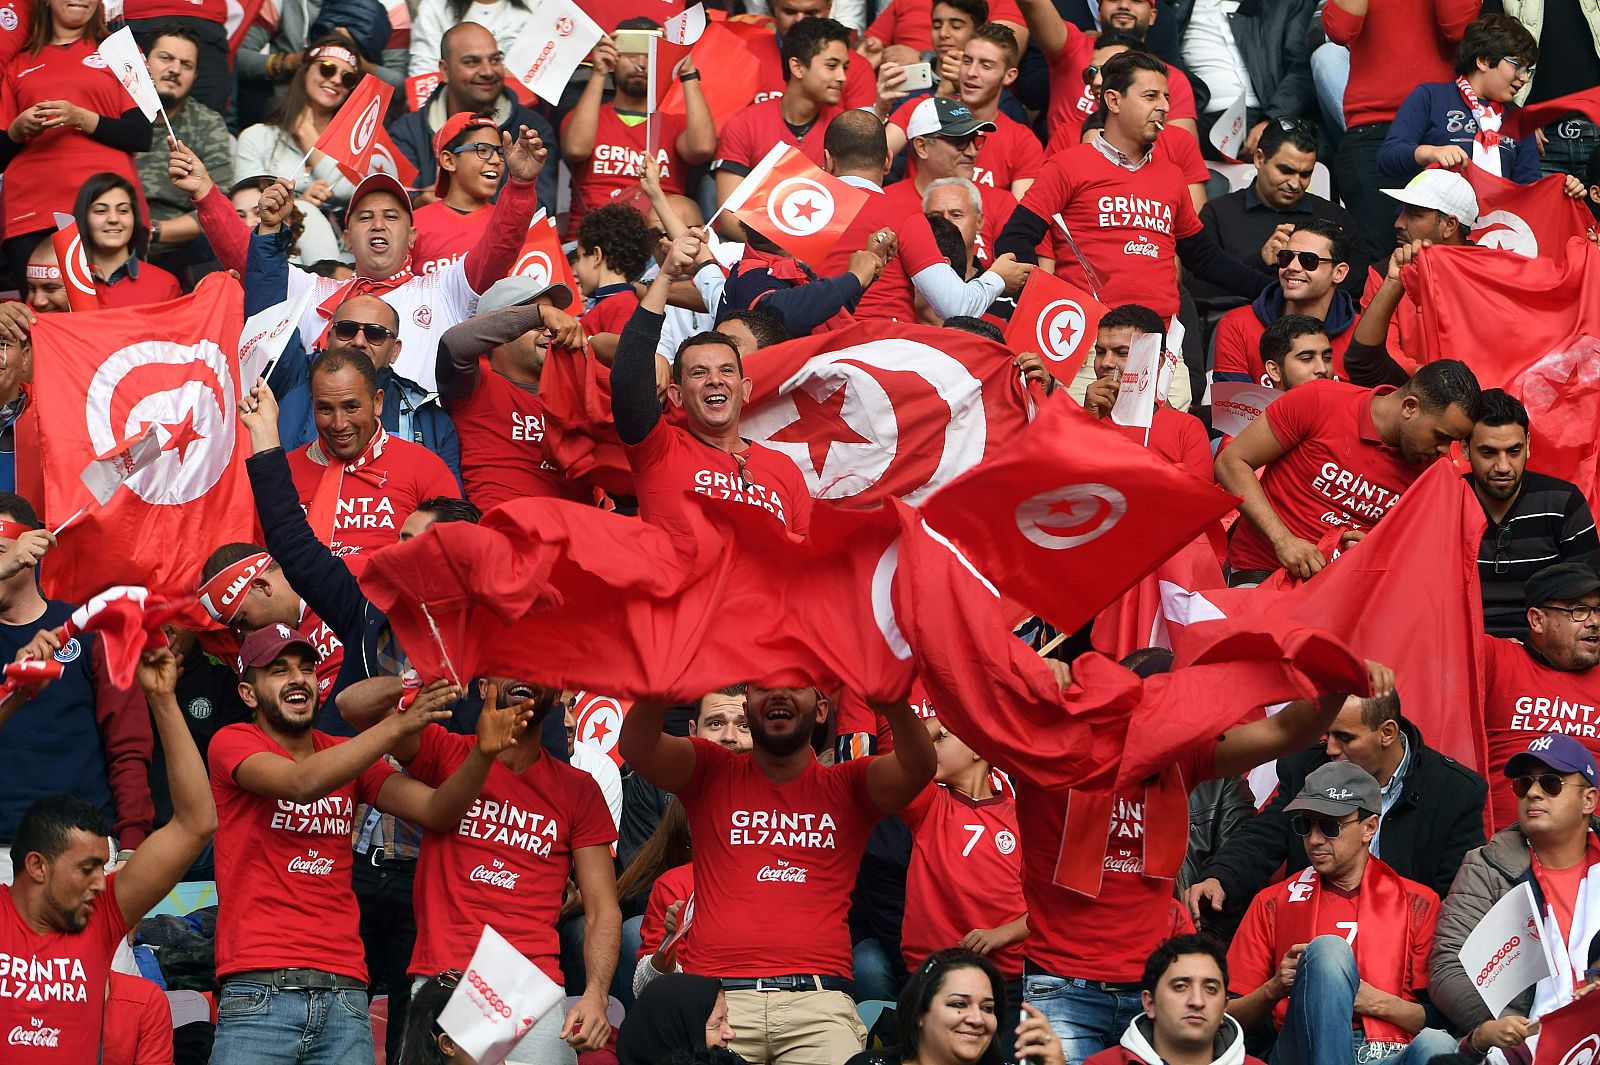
(1523, 121)
(731, 78)
(1058, 320)
(1566, 1034)
(1066, 496)
(350, 138)
(1562, 394)
(1532, 220)
(129, 620)
(795, 204)
(575, 597)
(81, 294)
(1136, 619)
(580, 439)
(1407, 596)
(101, 378)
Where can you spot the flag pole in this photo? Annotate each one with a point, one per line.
(59, 529)
(1089, 273)
(166, 120)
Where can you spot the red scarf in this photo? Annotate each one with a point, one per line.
(1080, 866)
(324, 506)
(1488, 115)
(360, 286)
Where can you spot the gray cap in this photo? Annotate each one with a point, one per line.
(517, 291)
(1338, 788)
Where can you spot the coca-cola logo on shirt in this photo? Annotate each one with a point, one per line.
(782, 873)
(35, 1035)
(495, 875)
(309, 864)
(1141, 247)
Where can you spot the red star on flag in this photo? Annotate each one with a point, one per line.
(599, 730)
(180, 435)
(819, 426)
(1066, 510)
(804, 209)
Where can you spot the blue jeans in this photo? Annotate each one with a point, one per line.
(1086, 1017)
(627, 960)
(1317, 1029)
(262, 1025)
(877, 973)
(1568, 144)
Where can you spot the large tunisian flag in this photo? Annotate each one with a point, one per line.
(1531, 220)
(104, 377)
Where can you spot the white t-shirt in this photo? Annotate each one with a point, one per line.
(598, 764)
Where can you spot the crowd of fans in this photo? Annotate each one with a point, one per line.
(755, 877)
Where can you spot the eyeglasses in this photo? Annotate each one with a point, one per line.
(1309, 260)
(1580, 614)
(1089, 74)
(328, 68)
(1520, 67)
(1330, 827)
(482, 149)
(973, 140)
(376, 334)
(1549, 783)
(1502, 561)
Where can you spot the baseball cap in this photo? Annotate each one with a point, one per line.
(1555, 751)
(519, 291)
(1565, 580)
(455, 126)
(937, 116)
(1338, 788)
(268, 642)
(1440, 190)
(378, 182)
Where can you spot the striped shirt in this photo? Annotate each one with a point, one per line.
(1548, 523)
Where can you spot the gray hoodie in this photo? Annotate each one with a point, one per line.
(1136, 1048)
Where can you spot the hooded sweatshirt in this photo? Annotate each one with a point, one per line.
(1137, 1047)
(1239, 332)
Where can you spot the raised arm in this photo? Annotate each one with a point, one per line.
(579, 130)
(496, 251)
(1368, 360)
(442, 808)
(634, 406)
(463, 345)
(665, 761)
(894, 779)
(1297, 725)
(222, 226)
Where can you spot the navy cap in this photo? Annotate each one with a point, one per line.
(1554, 751)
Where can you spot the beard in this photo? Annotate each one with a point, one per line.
(280, 721)
(785, 744)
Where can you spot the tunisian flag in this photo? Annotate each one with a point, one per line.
(81, 294)
(1565, 1034)
(352, 136)
(541, 259)
(1531, 220)
(1058, 320)
(791, 201)
(103, 378)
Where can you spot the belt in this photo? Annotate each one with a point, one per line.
(1255, 576)
(1112, 986)
(299, 979)
(796, 982)
(378, 861)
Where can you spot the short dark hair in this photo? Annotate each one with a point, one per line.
(346, 359)
(1443, 384)
(1376, 709)
(708, 337)
(225, 556)
(978, 327)
(809, 38)
(418, 1046)
(766, 326)
(917, 997)
(1161, 959)
(639, 22)
(18, 509)
(1338, 241)
(618, 232)
(1148, 661)
(1119, 71)
(1119, 38)
(1297, 133)
(1281, 335)
(96, 186)
(1495, 37)
(1136, 315)
(1002, 37)
(1498, 407)
(171, 29)
(446, 509)
(951, 244)
(856, 140)
(976, 10)
(47, 825)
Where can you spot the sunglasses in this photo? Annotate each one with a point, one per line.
(1089, 74)
(1309, 260)
(1289, 125)
(975, 140)
(482, 149)
(1549, 783)
(1330, 827)
(327, 68)
(375, 334)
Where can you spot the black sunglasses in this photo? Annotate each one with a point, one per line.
(1089, 74)
(1549, 783)
(1309, 260)
(376, 334)
(1330, 827)
(328, 68)
(1289, 125)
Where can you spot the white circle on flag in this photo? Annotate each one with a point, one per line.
(1585, 1052)
(363, 129)
(800, 207)
(76, 267)
(1091, 511)
(599, 721)
(382, 162)
(1503, 229)
(1061, 326)
(535, 266)
(883, 601)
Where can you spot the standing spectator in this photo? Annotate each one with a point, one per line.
(1011, 156)
(279, 146)
(905, 31)
(505, 20)
(945, 141)
(1553, 848)
(1258, 51)
(1543, 685)
(1185, 993)
(114, 239)
(1378, 441)
(1533, 520)
(66, 116)
(204, 24)
(82, 733)
(1565, 34)
(1311, 266)
(471, 162)
(1175, 436)
(604, 142)
(471, 65)
(272, 56)
(959, 202)
(174, 229)
(1417, 36)
(772, 53)
(1301, 957)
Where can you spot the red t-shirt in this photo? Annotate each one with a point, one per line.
(330, 651)
(670, 463)
(1524, 698)
(1011, 153)
(611, 313)
(1336, 474)
(283, 868)
(860, 80)
(774, 863)
(501, 429)
(674, 885)
(374, 501)
(13, 29)
(1418, 39)
(1108, 936)
(445, 234)
(153, 285)
(613, 167)
(35, 188)
(1238, 346)
(910, 22)
(1126, 223)
(965, 873)
(892, 295)
(52, 987)
(1071, 101)
(507, 860)
(750, 135)
(140, 1022)
(1177, 437)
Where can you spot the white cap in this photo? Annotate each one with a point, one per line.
(1441, 190)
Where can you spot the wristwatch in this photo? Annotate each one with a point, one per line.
(689, 75)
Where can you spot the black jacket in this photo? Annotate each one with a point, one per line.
(1435, 822)
(1274, 38)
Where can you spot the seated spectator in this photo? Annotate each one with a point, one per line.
(1185, 993)
(906, 30)
(434, 19)
(273, 53)
(1175, 436)
(1430, 816)
(473, 79)
(1543, 685)
(467, 150)
(1533, 520)
(1453, 123)
(137, 1011)
(613, 250)
(946, 139)
(173, 57)
(46, 289)
(114, 238)
(1553, 847)
(1311, 265)
(665, 864)
(1260, 52)
(329, 72)
(676, 1012)
(208, 26)
(1254, 223)
(1379, 441)
(424, 1042)
(1295, 350)
(604, 142)
(312, 239)
(1301, 959)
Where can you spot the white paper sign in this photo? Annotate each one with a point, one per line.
(500, 996)
(266, 333)
(109, 472)
(1235, 404)
(1229, 133)
(127, 65)
(556, 38)
(1506, 954)
(1136, 401)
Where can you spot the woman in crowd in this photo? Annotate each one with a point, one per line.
(69, 117)
(663, 872)
(115, 239)
(425, 1042)
(331, 69)
(312, 237)
(676, 1012)
(506, 19)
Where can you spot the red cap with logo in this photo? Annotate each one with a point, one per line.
(263, 646)
(455, 126)
(378, 182)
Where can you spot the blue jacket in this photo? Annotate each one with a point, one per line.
(1435, 114)
(1268, 308)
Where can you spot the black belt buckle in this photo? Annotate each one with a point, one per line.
(786, 983)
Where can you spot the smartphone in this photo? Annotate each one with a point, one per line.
(918, 76)
(634, 42)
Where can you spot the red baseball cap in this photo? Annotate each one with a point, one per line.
(263, 646)
(378, 182)
(455, 126)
